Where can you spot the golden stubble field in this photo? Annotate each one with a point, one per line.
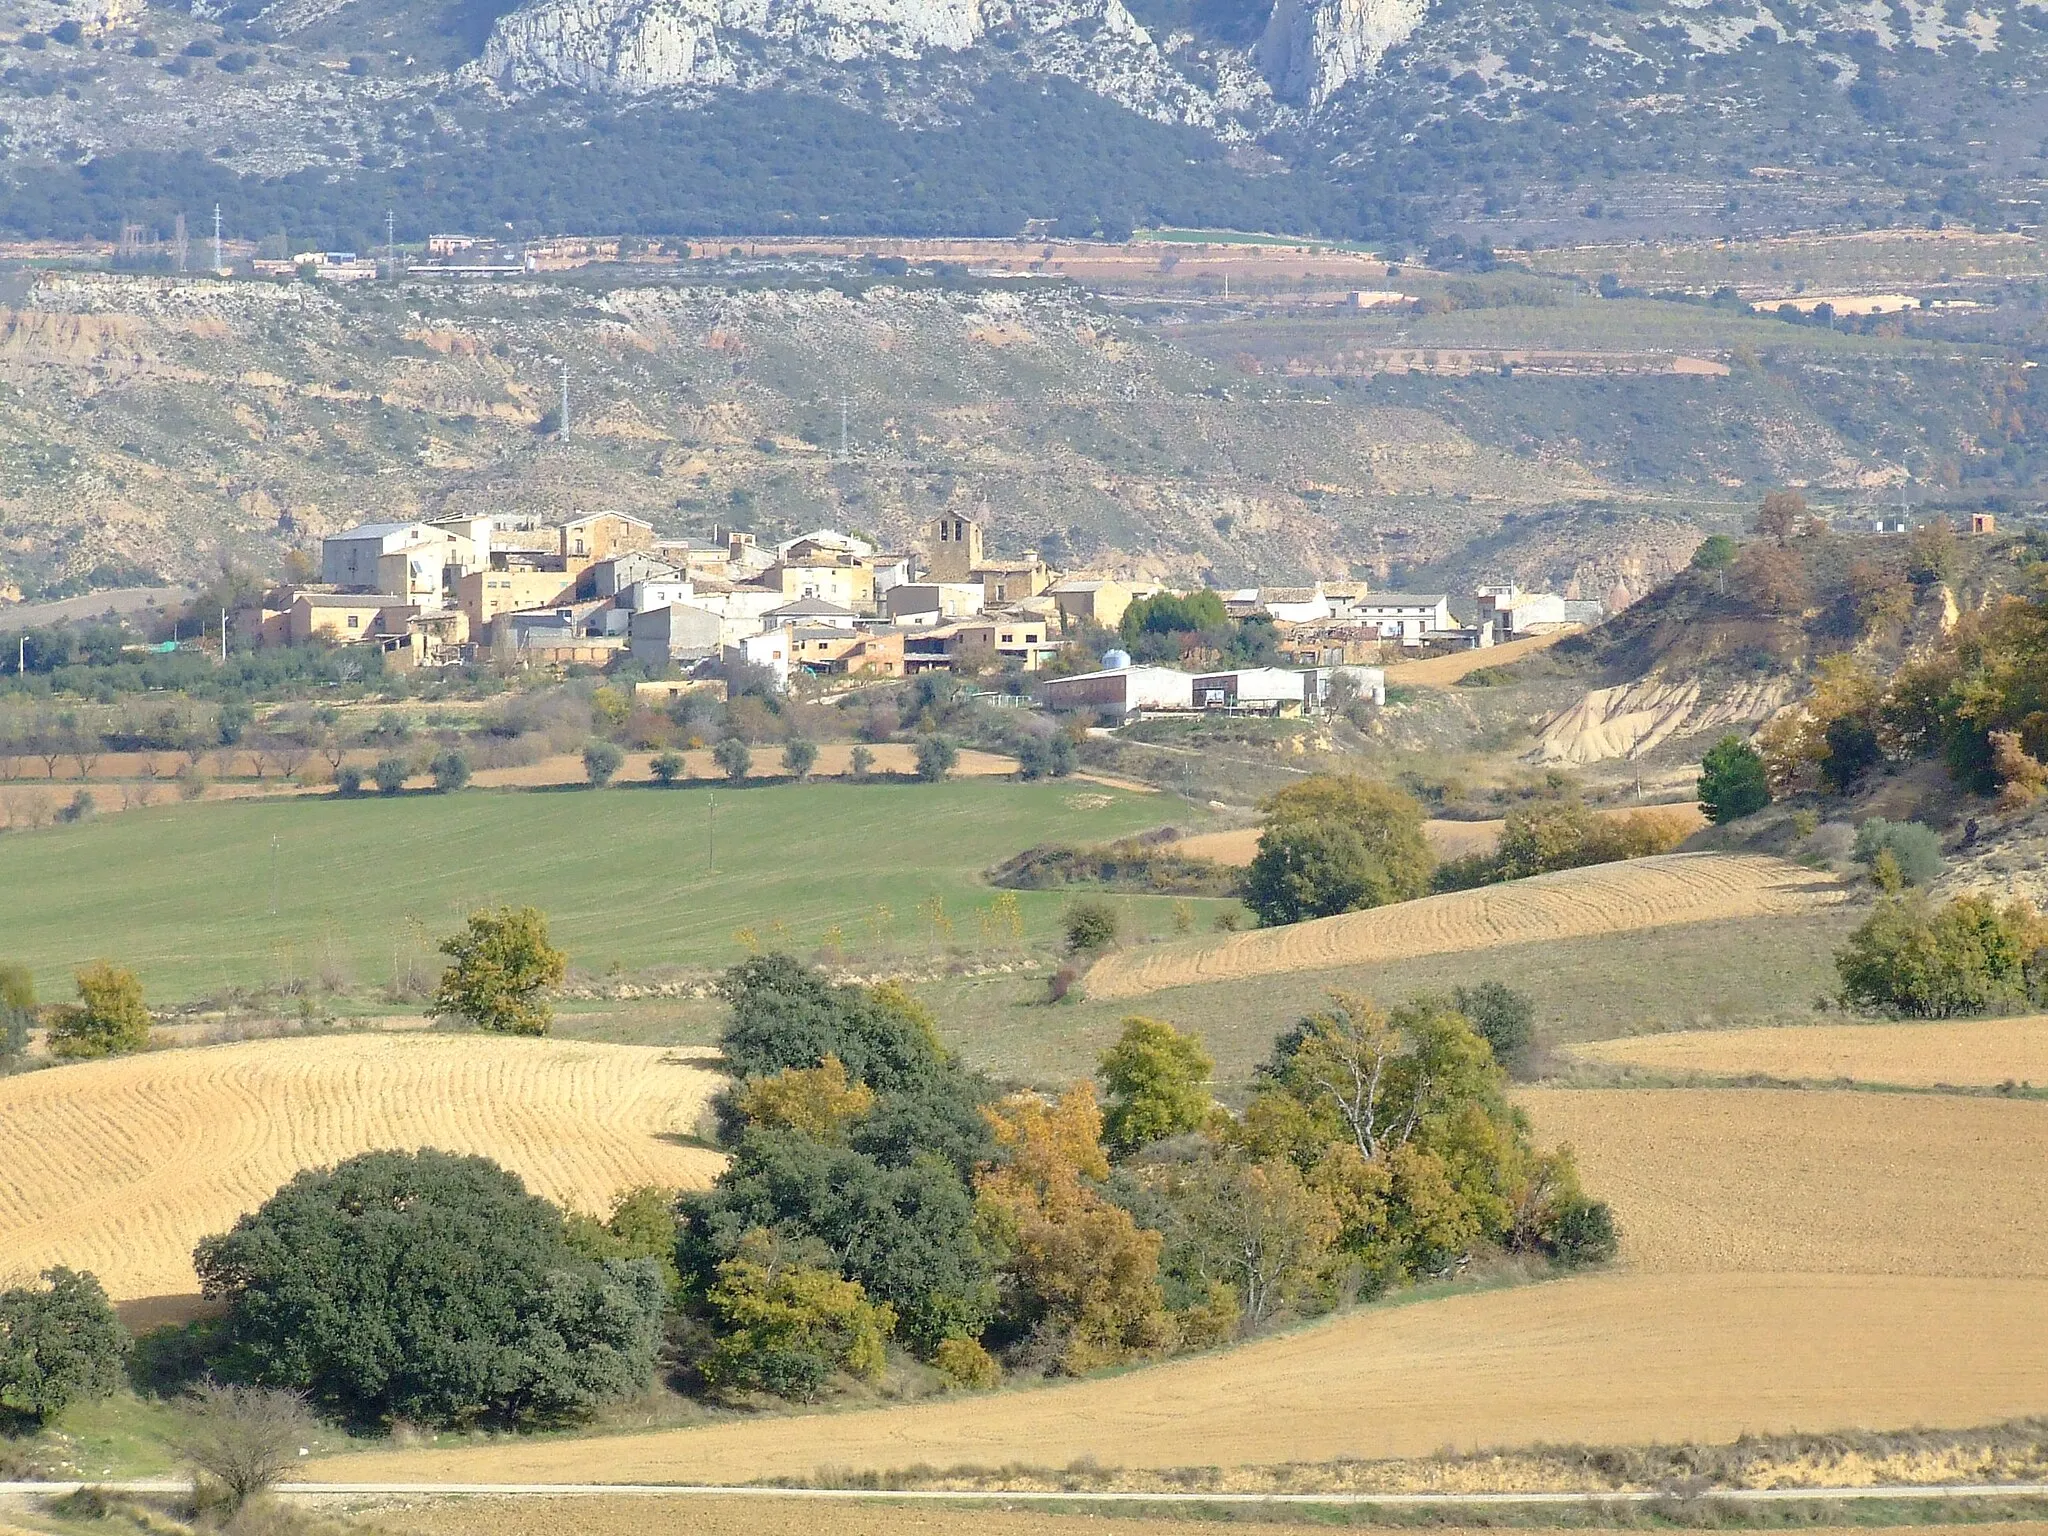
(1792, 1261)
(1606, 898)
(121, 1166)
(1776, 1181)
(1956, 1053)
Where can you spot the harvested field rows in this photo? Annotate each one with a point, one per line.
(120, 1166)
(1612, 1359)
(1966, 1053)
(1776, 1181)
(1447, 839)
(1606, 898)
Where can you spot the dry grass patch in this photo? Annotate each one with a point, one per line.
(835, 760)
(1614, 1358)
(1605, 898)
(1442, 671)
(120, 1166)
(1966, 1053)
(1770, 1180)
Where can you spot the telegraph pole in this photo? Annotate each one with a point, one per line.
(711, 832)
(390, 244)
(223, 636)
(217, 263)
(273, 877)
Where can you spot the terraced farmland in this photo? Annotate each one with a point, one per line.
(1606, 898)
(120, 1166)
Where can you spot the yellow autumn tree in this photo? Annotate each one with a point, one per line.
(1076, 1268)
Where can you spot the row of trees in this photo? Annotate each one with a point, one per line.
(882, 1199)
(1337, 843)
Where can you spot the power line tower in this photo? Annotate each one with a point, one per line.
(390, 244)
(218, 264)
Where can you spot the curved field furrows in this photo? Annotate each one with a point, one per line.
(1960, 1053)
(1605, 898)
(120, 1166)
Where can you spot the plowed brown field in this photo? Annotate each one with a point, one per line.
(1959, 1053)
(120, 1166)
(1606, 898)
(1779, 1181)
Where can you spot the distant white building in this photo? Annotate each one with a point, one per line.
(1408, 617)
(408, 560)
(1273, 690)
(1123, 691)
(932, 602)
(768, 649)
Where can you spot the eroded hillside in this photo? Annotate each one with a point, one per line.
(158, 423)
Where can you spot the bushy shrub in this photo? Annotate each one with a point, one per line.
(450, 770)
(1915, 848)
(784, 1327)
(936, 758)
(1732, 781)
(1913, 958)
(734, 757)
(390, 774)
(799, 757)
(1336, 843)
(667, 768)
(1504, 1018)
(348, 780)
(503, 965)
(965, 1363)
(109, 1018)
(1158, 1084)
(1541, 839)
(428, 1287)
(601, 762)
(1091, 927)
(60, 1343)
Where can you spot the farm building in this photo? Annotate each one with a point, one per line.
(1121, 690)
(1268, 690)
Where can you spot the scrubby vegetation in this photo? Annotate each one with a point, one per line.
(1966, 956)
(1148, 863)
(1538, 839)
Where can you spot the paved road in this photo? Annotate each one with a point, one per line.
(1414, 1500)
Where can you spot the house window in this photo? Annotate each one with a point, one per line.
(351, 621)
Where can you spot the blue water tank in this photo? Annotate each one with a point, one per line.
(1116, 661)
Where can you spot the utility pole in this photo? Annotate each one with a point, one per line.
(217, 263)
(565, 400)
(21, 656)
(390, 244)
(711, 832)
(223, 637)
(273, 877)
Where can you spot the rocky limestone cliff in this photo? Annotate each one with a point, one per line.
(1312, 49)
(632, 47)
